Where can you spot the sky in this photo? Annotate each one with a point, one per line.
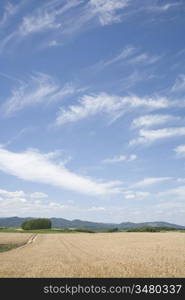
(92, 110)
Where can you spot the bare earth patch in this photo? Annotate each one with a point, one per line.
(97, 255)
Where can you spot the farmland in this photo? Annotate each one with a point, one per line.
(14, 238)
(121, 254)
(10, 241)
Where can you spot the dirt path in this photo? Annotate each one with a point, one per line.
(97, 255)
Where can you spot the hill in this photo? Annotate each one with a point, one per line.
(64, 223)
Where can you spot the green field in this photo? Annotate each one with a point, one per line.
(46, 231)
(4, 248)
(79, 230)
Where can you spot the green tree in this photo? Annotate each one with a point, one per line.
(36, 224)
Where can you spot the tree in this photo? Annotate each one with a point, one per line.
(36, 224)
(115, 229)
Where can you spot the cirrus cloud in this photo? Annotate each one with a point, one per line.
(150, 136)
(151, 180)
(153, 120)
(39, 88)
(34, 166)
(111, 105)
(120, 158)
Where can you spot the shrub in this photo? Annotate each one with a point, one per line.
(84, 230)
(151, 229)
(36, 224)
(113, 229)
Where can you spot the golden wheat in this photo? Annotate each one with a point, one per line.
(14, 238)
(98, 255)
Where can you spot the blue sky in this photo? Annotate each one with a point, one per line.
(92, 109)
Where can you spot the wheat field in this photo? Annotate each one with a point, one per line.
(14, 238)
(96, 255)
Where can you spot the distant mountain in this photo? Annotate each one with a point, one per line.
(12, 221)
(63, 223)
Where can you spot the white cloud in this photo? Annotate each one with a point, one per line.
(135, 77)
(180, 150)
(177, 193)
(129, 55)
(33, 24)
(58, 19)
(124, 54)
(96, 208)
(150, 136)
(144, 58)
(181, 180)
(26, 204)
(152, 120)
(120, 158)
(111, 105)
(169, 205)
(108, 11)
(40, 88)
(136, 195)
(179, 85)
(151, 180)
(22, 194)
(17, 136)
(34, 166)
(162, 8)
(9, 11)
(38, 195)
(16, 194)
(45, 18)
(53, 43)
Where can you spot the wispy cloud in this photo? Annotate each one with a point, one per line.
(9, 77)
(133, 78)
(136, 195)
(120, 158)
(9, 11)
(144, 58)
(129, 55)
(177, 193)
(56, 21)
(153, 120)
(123, 55)
(46, 17)
(15, 194)
(38, 195)
(39, 88)
(59, 19)
(179, 85)
(150, 136)
(111, 105)
(162, 8)
(96, 208)
(150, 181)
(36, 24)
(25, 204)
(180, 150)
(108, 12)
(22, 194)
(47, 171)
(38, 204)
(17, 136)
